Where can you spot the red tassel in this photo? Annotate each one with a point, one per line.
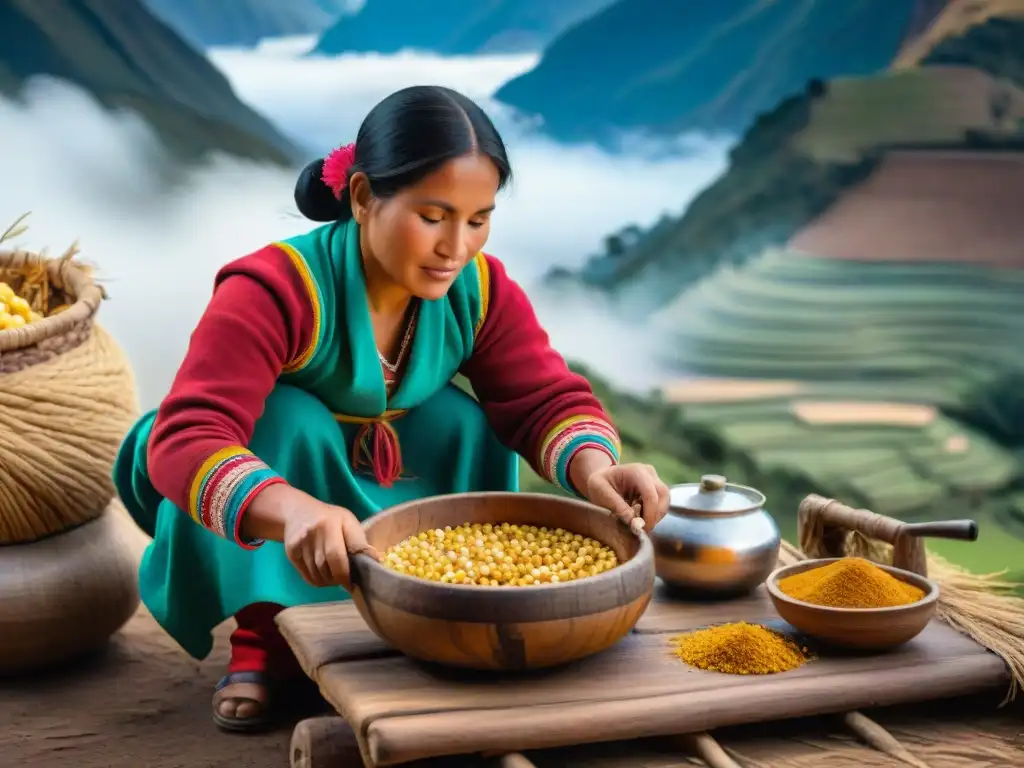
(376, 446)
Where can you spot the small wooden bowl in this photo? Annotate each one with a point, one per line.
(863, 629)
(503, 628)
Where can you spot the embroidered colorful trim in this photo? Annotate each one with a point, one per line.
(483, 271)
(567, 438)
(316, 305)
(223, 488)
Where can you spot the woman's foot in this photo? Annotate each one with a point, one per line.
(242, 701)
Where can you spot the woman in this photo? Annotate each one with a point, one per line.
(316, 391)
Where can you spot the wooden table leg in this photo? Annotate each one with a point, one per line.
(707, 748)
(875, 736)
(325, 742)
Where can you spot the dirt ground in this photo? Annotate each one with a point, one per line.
(143, 702)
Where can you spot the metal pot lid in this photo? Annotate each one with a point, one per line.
(713, 495)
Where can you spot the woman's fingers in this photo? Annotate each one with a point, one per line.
(355, 537)
(603, 493)
(310, 570)
(647, 488)
(338, 566)
(302, 555)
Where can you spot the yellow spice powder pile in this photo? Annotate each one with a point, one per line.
(739, 649)
(851, 582)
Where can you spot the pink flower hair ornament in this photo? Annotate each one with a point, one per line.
(336, 168)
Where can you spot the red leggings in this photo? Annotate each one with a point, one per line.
(257, 645)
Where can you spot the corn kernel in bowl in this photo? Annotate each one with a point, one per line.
(499, 554)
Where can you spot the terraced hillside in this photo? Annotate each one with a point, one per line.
(910, 284)
(877, 357)
(935, 333)
(795, 162)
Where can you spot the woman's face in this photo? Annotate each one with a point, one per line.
(422, 237)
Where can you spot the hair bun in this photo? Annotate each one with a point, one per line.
(314, 199)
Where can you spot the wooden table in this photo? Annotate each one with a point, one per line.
(402, 711)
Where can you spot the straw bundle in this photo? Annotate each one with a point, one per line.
(982, 606)
(67, 397)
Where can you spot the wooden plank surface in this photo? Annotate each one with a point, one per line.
(639, 666)
(329, 632)
(403, 710)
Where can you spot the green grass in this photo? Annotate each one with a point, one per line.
(917, 106)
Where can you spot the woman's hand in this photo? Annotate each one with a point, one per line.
(317, 537)
(617, 487)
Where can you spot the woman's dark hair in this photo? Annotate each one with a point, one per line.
(406, 137)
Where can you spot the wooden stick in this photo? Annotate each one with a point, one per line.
(877, 737)
(707, 749)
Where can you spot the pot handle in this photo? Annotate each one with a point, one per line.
(825, 522)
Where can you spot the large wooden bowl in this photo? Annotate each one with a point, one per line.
(503, 628)
(864, 629)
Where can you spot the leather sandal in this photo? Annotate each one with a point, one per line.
(244, 724)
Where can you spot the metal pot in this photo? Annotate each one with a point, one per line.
(716, 539)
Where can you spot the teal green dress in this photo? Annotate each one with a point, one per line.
(191, 579)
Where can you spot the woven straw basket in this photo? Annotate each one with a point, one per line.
(67, 398)
(48, 284)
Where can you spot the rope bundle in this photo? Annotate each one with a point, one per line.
(67, 398)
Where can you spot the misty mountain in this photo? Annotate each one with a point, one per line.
(671, 66)
(121, 54)
(455, 27)
(246, 22)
